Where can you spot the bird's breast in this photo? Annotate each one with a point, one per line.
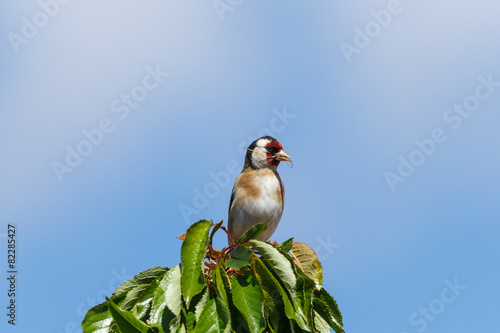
(261, 185)
(257, 197)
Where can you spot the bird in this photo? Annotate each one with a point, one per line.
(258, 193)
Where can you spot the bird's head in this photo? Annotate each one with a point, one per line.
(266, 152)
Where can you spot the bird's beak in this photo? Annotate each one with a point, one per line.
(282, 156)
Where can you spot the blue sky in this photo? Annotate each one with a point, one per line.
(390, 109)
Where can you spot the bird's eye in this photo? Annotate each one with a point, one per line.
(271, 150)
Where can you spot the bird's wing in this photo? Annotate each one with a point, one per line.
(231, 203)
(282, 188)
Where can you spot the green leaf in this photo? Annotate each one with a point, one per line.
(224, 316)
(322, 309)
(176, 326)
(138, 299)
(214, 230)
(240, 257)
(133, 297)
(167, 294)
(286, 245)
(320, 324)
(189, 315)
(308, 261)
(305, 289)
(221, 284)
(145, 277)
(98, 319)
(272, 312)
(190, 319)
(126, 321)
(252, 233)
(279, 264)
(214, 318)
(331, 306)
(158, 328)
(201, 304)
(275, 289)
(249, 300)
(193, 252)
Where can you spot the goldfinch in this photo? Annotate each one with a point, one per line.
(258, 194)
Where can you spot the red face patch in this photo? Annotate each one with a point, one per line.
(273, 161)
(277, 146)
